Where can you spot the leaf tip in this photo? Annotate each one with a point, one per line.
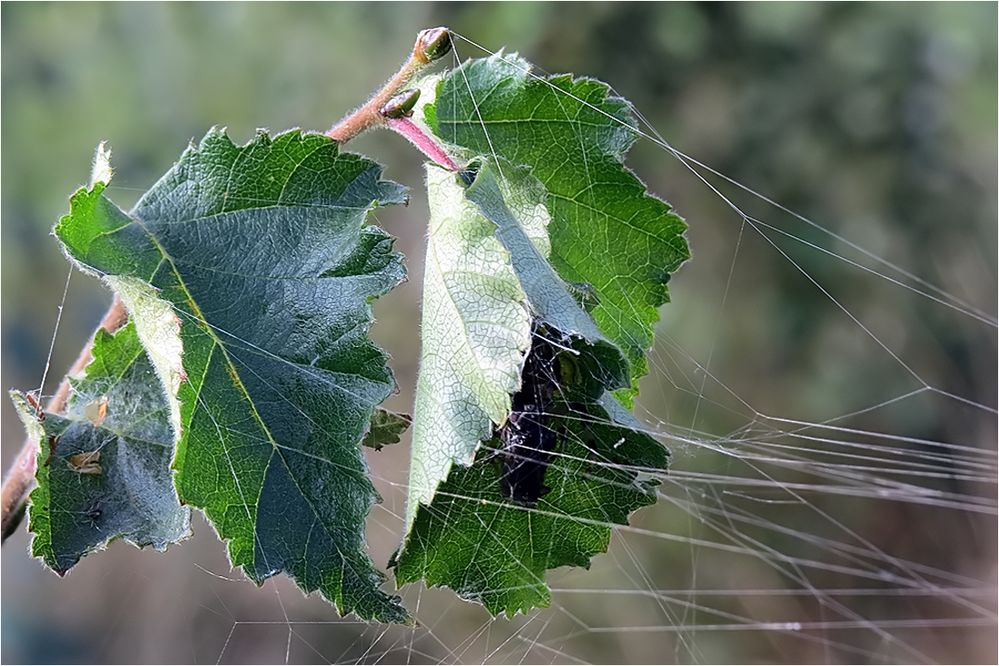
(101, 171)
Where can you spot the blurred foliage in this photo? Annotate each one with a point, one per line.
(878, 121)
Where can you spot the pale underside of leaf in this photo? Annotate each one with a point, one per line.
(476, 329)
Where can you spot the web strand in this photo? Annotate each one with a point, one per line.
(770, 508)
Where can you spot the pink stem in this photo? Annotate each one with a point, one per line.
(424, 143)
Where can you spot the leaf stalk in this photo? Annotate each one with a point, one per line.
(423, 141)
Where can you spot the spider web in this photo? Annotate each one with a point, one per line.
(811, 537)
(769, 528)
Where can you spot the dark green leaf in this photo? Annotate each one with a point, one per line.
(386, 428)
(104, 464)
(262, 252)
(488, 549)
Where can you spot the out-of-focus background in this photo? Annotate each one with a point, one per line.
(877, 121)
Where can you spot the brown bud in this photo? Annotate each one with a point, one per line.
(433, 43)
(400, 106)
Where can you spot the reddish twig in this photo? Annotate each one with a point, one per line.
(430, 45)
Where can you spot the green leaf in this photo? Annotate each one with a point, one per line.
(104, 463)
(488, 549)
(513, 201)
(262, 252)
(606, 230)
(386, 428)
(471, 537)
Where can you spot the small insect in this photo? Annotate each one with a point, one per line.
(97, 410)
(87, 462)
(93, 515)
(53, 442)
(527, 438)
(32, 398)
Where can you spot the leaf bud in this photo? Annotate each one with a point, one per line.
(400, 106)
(433, 43)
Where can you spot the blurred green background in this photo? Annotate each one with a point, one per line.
(878, 121)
